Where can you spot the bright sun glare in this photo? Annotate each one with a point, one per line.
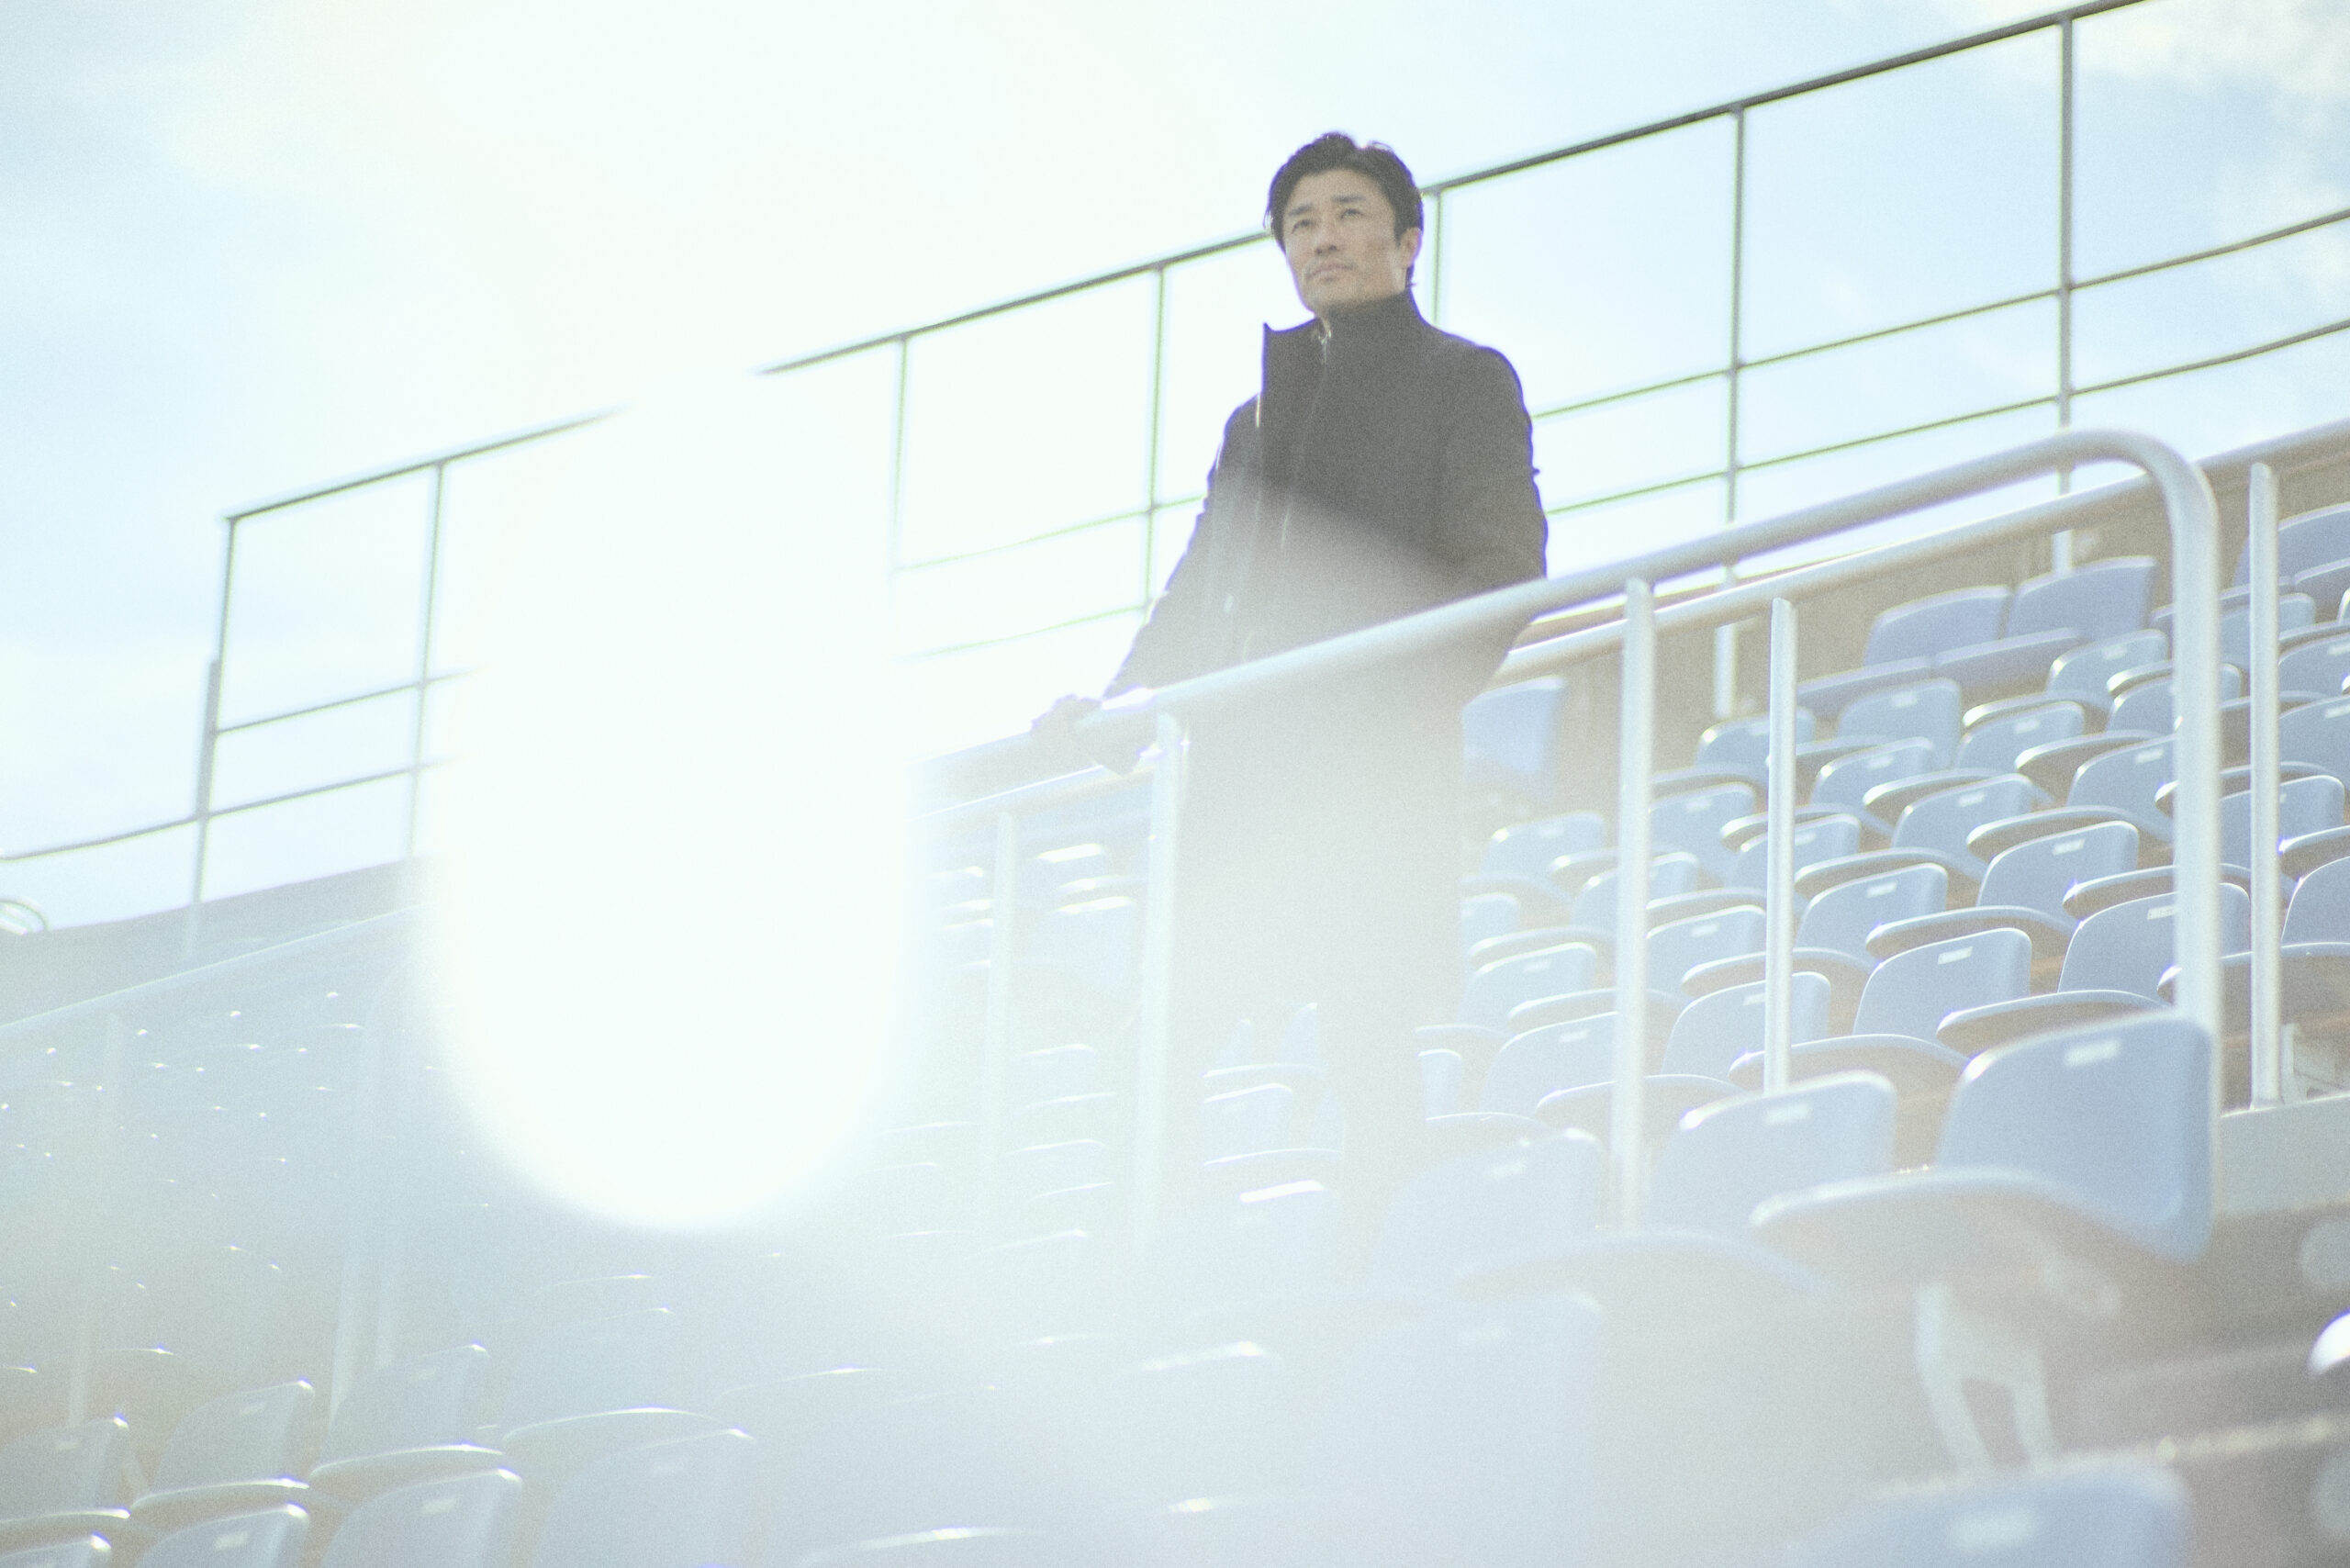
(668, 918)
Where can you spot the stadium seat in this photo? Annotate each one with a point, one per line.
(1693, 821)
(1845, 782)
(1494, 991)
(1924, 627)
(1827, 838)
(1939, 825)
(677, 1503)
(2318, 734)
(1489, 1204)
(1529, 849)
(1728, 1158)
(1716, 1029)
(1841, 919)
(590, 1388)
(2083, 673)
(1993, 746)
(2025, 888)
(1671, 874)
(462, 1521)
(2101, 601)
(1740, 748)
(1510, 740)
(90, 1552)
(1675, 949)
(2124, 783)
(2133, 1516)
(2312, 539)
(1927, 709)
(238, 1454)
(1464, 1438)
(1904, 1005)
(2113, 966)
(1483, 917)
(2072, 1186)
(2320, 666)
(2303, 806)
(1543, 1060)
(270, 1539)
(63, 1482)
(2314, 957)
(2006, 667)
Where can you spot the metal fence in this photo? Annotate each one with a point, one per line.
(1702, 341)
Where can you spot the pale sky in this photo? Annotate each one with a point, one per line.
(247, 246)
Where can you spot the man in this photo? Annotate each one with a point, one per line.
(1383, 468)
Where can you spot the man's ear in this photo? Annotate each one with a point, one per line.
(1411, 244)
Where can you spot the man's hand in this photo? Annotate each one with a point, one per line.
(1056, 725)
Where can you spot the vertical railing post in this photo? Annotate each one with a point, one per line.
(1726, 637)
(1635, 762)
(2060, 543)
(2268, 906)
(1004, 902)
(427, 615)
(1779, 858)
(2195, 808)
(1155, 1098)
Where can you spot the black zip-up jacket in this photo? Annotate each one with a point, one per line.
(1385, 466)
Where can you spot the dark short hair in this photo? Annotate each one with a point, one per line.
(1337, 150)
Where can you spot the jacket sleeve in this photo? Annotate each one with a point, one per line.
(1178, 639)
(1489, 521)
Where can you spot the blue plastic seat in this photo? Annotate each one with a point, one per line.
(2303, 805)
(63, 1482)
(2313, 960)
(1926, 710)
(1846, 782)
(2327, 584)
(1254, 1120)
(674, 1504)
(589, 1388)
(2082, 674)
(1924, 627)
(2124, 784)
(1497, 988)
(236, 1454)
(1554, 1057)
(1675, 949)
(1993, 746)
(1465, 1436)
(1903, 1007)
(270, 1539)
(2312, 538)
(1841, 919)
(1742, 747)
(90, 1552)
(2318, 734)
(1693, 821)
(1670, 875)
(462, 1521)
(1510, 739)
(2321, 667)
(1941, 822)
(1715, 1030)
(2006, 667)
(1488, 1205)
(1827, 838)
(2101, 600)
(1727, 1158)
(1529, 849)
(2112, 1517)
(2113, 966)
(2024, 888)
(1484, 916)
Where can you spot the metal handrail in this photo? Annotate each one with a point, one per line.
(1164, 713)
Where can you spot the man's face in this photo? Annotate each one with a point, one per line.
(1338, 233)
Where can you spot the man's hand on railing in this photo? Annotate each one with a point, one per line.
(1057, 726)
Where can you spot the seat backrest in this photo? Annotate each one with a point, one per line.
(1731, 1155)
(1515, 728)
(1483, 917)
(62, 1470)
(87, 1552)
(685, 1501)
(1528, 849)
(2128, 946)
(256, 1435)
(1488, 1205)
(1473, 1424)
(1924, 627)
(1841, 918)
(2146, 705)
(629, 1361)
(2320, 667)
(1247, 1121)
(2083, 672)
(2118, 1112)
(2303, 805)
(1827, 838)
(2294, 610)
(2309, 540)
(2038, 873)
(1924, 709)
(1675, 949)
(465, 1522)
(1911, 993)
(1670, 875)
(272, 1539)
(1845, 780)
(1943, 820)
(2317, 733)
(1693, 821)
(2127, 779)
(1996, 744)
(2111, 1516)
(1493, 990)
(2321, 908)
(1717, 1028)
(1542, 1061)
(2104, 599)
(1744, 745)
